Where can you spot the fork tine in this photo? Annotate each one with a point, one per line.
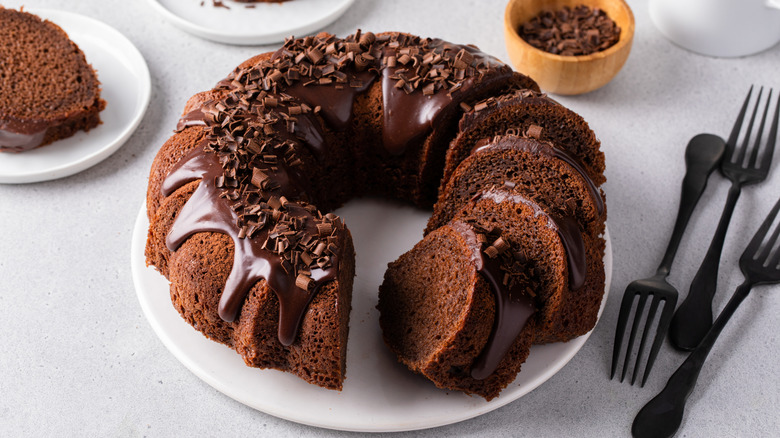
(732, 142)
(772, 139)
(663, 326)
(625, 309)
(755, 244)
(760, 133)
(742, 150)
(771, 243)
(648, 325)
(640, 307)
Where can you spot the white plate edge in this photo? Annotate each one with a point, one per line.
(247, 40)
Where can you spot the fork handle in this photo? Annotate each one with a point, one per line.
(693, 185)
(662, 416)
(694, 317)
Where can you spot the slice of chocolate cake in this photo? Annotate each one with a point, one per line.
(538, 169)
(438, 308)
(48, 91)
(568, 264)
(518, 111)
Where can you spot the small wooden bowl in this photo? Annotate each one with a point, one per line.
(567, 74)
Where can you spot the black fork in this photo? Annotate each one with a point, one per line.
(702, 156)
(742, 166)
(760, 264)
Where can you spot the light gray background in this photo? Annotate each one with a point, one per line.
(78, 358)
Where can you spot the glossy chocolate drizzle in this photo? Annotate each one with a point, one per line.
(408, 115)
(207, 211)
(15, 142)
(335, 103)
(514, 307)
(411, 116)
(195, 117)
(538, 147)
(566, 227)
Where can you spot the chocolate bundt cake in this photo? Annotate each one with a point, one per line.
(48, 91)
(238, 198)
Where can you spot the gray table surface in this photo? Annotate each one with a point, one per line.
(79, 358)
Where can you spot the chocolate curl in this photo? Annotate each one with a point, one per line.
(534, 131)
(303, 282)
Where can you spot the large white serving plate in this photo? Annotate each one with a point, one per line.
(379, 394)
(126, 88)
(263, 23)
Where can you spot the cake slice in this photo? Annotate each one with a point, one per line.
(464, 305)
(515, 112)
(538, 169)
(437, 313)
(570, 262)
(48, 91)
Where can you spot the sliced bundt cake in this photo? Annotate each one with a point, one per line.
(569, 309)
(438, 307)
(238, 196)
(464, 305)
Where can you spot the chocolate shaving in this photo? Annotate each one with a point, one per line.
(534, 131)
(303, 281)
(571, 31)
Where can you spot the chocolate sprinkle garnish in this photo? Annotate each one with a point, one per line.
(534, 131)
(250, 161)
(571, 31)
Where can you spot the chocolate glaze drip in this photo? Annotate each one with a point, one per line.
(408, 117)
(335, 103)
(514, 307)
(412, 116)
(207, 211)
(543, 148)
(16, 142)
(566, 227)
(275, 103)
(195, 117)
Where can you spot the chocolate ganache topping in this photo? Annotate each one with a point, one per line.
(252, 188)
(566, 227)
(290, 245)
(19, 136)
(16, 142)
(504, 271)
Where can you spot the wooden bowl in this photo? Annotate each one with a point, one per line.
(567, 74)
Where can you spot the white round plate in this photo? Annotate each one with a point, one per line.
(264, 23)
(380, 395)
(127, 89)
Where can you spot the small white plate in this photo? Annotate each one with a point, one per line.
(380, 395)
(126, 88)
(265, 23)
